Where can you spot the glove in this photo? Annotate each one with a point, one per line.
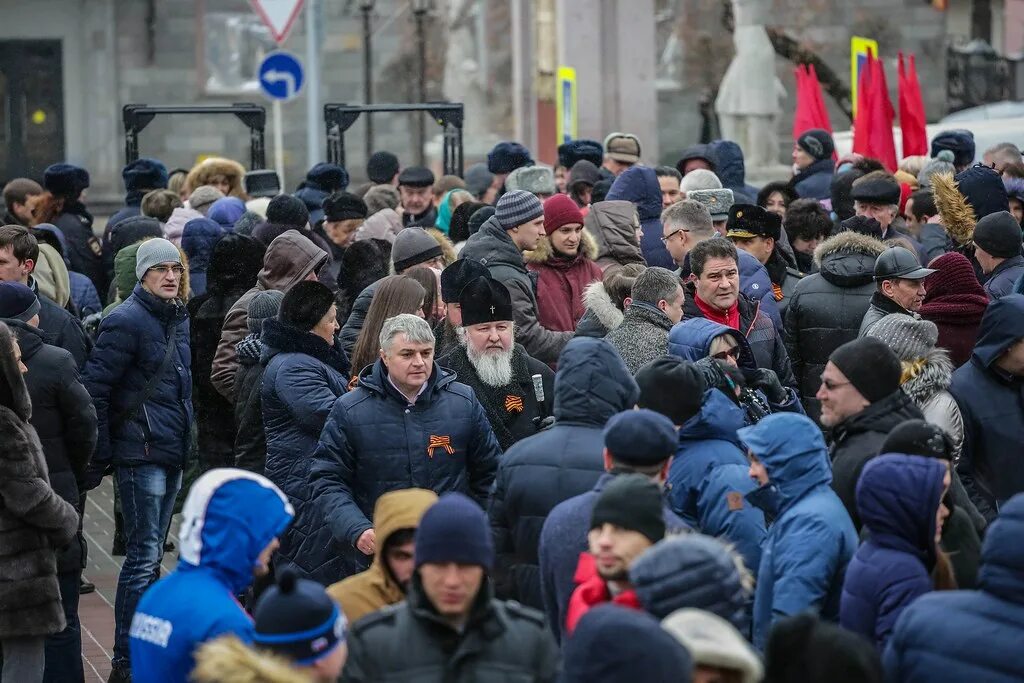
(767, 381)
(722, 376)
(94, 473)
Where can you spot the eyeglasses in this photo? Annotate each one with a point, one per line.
(163, 270)
(672, 234)
(733, 353)
(832, 386)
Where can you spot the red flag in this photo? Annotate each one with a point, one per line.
(880, 139)
(912, 118)
(805, 117)
(862, 122)
(819, 100)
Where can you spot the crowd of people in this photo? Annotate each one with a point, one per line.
(596, 421)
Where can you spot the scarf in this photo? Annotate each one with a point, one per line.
(730, 318)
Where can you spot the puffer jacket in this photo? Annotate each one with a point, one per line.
(954, 636)
(375, 442)
(197, 241)
(501, 641)
(175, 225)
(897, 498)
(130, 348)
(815, 181)
(289, 259)
(826, 308)
(229, 517)
(539, 472)
(601, 315)
(561, 282)
(35, 522)
(493, 247)
(1001, 281)
(249, 451)
(992, 406)
(639, 185)
(642, 336)
(304, 377)
(356, 317)
(928, 389)
(612, 224)
(810, 543)
(857, 439)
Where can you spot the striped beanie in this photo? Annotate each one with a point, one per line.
(516, 208)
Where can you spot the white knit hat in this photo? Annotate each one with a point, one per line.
(713, 641)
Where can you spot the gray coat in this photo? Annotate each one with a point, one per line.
(642, 336)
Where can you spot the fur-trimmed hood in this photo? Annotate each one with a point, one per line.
(929, 376)
(228, 660)
(848, 259)
(544, 250)
(957, 214)
(207, 170)
(447, 248)
(597, 301)
(13, 392)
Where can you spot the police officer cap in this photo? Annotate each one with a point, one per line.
(641, 438)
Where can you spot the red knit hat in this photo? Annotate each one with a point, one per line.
(560, 210)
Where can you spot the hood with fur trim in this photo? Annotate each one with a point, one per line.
(596, 300)
(928, 376)
(206, 171)
(228, 660)
(544, 250)
(848, 259)
(957, 214)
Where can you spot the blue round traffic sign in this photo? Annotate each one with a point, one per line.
(281, 75)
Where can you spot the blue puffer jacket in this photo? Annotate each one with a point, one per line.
(731, 170)
(756, 284)
(541, 471)
(375, 442)
(230, 516)
(639, 184)
(130, 348)
(304, 376)
(198, 239)
(804, 557)
(969, 635)
(815, 181)
(897, 498)
(313, 197)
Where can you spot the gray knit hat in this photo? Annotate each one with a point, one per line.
(262, 306)
(153, 252)
(535, 179)
(909, 338)
(414, 246)
(516, 208)
(203, 197)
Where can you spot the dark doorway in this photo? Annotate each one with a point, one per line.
(31, 107)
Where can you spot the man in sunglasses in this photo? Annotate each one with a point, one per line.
(140, 381)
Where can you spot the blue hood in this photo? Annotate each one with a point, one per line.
(691, 340)
(719, 418)
(198, 239)
(729, 168)
(897, 497)
(793, 452)
(229, 517)
(1002, 554)
(639, 184)
(592, 383)
(1001, 326)
(226, 211)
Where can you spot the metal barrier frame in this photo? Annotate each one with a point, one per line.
(138, 116)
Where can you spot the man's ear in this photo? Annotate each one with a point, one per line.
(607, 457)
(30, 265)
(627, 301)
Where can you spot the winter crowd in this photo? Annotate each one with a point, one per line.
(597, 422)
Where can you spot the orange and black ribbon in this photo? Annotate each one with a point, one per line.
(513, 404)
(444, 442)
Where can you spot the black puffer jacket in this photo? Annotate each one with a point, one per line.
(826, 308)
(541, 471)
(857, 440)
(250, 450)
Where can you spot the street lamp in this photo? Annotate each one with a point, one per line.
(419, 10)
(366, 7)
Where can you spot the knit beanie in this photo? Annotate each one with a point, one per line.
(153, 252)
(641, 438)
(343, 206)
(305, 305)
(17, 302)
(262, 306)
(802, 648)
(632, 502)
(700, 179)
(203, 197)
(247, 222)
(560, 210)
(713, 642)
(983, 189)
(454, 529)
(671, 386)
(506, 157)
(909, 338)
(816, 142)
(871, 366)
(284, 209)
(999, 234)
(328, 177)
(382, 167)
(298, 620)
(478, 218)
(478, 180)
(918, 437)
(960, 142)
(516, 208)
(412, 247)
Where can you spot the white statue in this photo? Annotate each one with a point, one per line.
(749, 95)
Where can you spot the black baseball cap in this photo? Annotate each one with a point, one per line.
(899, 263)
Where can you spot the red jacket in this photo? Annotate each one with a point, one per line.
(591, 590)
(561, 282)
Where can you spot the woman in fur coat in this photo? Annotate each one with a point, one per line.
(35, 523)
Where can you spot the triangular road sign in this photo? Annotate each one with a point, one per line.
(278, 15)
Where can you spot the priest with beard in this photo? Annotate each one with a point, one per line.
(499, 371)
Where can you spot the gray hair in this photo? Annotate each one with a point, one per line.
(700, 179)
(1005, 151)
(655, 284)
(689, 215)
(412, 326)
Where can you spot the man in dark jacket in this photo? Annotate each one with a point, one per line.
(250, 448)
(498, 370)
(19, 251)
(64, 419)
(757, 232)
(140, 177)
(414, 187)
(826, 308)
(812, 157)
(633, 443)
(899, 282)
(407, 423)
(140, 381)
(453, 279)
(714, 293)
(563, 461)
(997, 247)
(321, 181)
(66, 183)
(450, 626)
(517, 226)
(657, 305)
(989, 389)
(861, 402)
(639, 184)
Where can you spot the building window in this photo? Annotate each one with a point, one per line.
(234, 44)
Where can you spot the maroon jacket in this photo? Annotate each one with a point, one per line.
(561, 282)
(955, 302)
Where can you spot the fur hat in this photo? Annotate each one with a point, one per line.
(328, 177)
(65, 180)
(382, 167)
(144, 174)
(714, 642)
(284, 209)
(506, 157)
(569, 153)
(534, 179)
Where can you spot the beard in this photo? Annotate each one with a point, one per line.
(494, 367)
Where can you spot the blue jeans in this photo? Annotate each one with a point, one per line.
(147, 503)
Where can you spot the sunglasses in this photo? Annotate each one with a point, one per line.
(832, 386)
(733, 353)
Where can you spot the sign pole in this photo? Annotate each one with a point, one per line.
(279, 142)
